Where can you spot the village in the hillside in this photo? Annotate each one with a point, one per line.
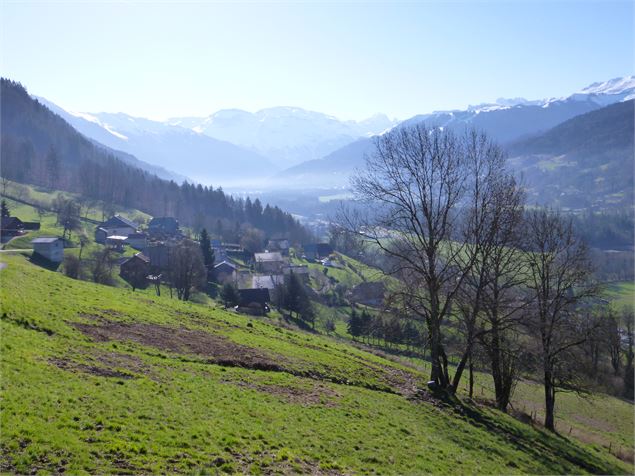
(146, 256)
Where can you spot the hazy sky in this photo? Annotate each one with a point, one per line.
(162, 59)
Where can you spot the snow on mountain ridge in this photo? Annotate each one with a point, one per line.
(612, 86)
(285, 134)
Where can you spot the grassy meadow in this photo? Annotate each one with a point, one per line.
(102, 379)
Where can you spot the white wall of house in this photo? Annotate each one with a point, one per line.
(51, 251)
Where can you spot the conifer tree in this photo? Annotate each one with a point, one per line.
(4, 209)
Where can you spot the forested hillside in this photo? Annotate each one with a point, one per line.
(40, 148)
(584, 162)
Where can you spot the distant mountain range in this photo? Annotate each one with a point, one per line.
(507, 121)
(197, 156)
(285, 135)
(239, 149)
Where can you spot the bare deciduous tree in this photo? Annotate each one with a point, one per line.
(187, 270)
(558, 280)
(415, 183)
(491, 215)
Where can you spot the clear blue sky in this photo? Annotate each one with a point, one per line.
(162, 59)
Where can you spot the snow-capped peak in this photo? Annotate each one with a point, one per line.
(96, 120)
(612, 86)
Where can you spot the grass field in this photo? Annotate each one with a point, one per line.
(103, 380)
(621, 294)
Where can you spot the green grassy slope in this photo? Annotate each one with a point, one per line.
(105, 380)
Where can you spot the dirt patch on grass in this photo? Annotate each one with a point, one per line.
(214, 348)
(106, 364)
(313, 394)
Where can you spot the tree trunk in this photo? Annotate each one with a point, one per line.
(459, 369)
(550, 401)
(471, 378)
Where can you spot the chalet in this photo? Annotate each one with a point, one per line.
(225, 272)
(11, 226)
(253, 301)
(138, 240)
(270, 262)
(49, 247)
(267, 281)
(279, 244)
(167, 226)
(135, 267)
(316, 251)
(116, 225)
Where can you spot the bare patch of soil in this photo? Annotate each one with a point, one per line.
(216, 349)
(317, 394)
(72, 366)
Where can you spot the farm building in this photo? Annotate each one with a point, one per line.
(167, 226)
(11, 226)
(225, 272)
(271, 262)
(49, 247)
(253, 301)
(135, 269)
(317, 251)
(116, 225)
(279, 244)
(269, 281)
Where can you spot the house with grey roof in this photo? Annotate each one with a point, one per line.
(115, 226)
(269, 281)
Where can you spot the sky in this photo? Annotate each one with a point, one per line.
(349, 59)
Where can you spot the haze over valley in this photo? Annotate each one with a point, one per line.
(321, 238)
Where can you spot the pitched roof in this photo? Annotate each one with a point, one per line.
(321, 248)
(45, 239)
(271, 256)
(267, 282)
(134, 236)
(10, 223)
(163, 222)
(117, 221)
(136, 257)
(296, 268)
(225, 263)
(142, 257)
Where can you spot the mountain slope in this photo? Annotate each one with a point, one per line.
(30, 130)
(135, 383)
(334, 170)
(202, 158)
(603, 130)
(583, 162)
(286, 135)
